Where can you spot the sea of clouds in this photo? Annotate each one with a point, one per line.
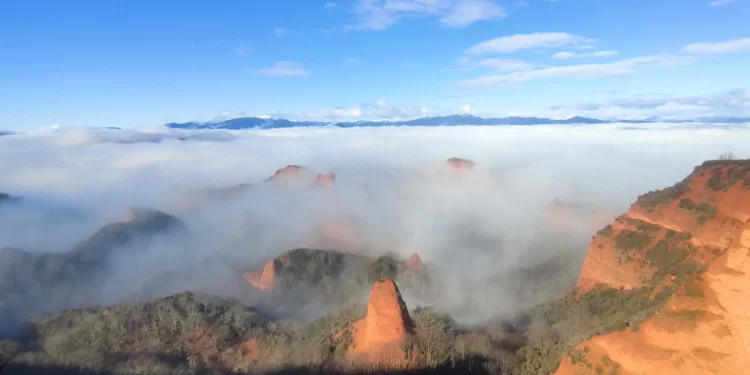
(74, 181)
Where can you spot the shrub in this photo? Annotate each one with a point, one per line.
(606, 232)
(628, 240)
(729, 155)
(704, 211)
(693, 290)
(651, 200)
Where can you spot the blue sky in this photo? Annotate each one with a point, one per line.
(136, 63)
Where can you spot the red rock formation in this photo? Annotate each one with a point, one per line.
(415, 262)
(327, 180)
(266, 278)
(288, 172)
(707, 331)
(379, 337)
(458, 167)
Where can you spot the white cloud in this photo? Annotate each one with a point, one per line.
(736, 102)
(467, 12)
(381, 14)
(465, 109)
(280, 31)
(571, 55)
(379, 110)
(615, 69)
(519, 42)
(329, 5)
(718, 3)
(498, 64)
(731, 46)
(285, 69)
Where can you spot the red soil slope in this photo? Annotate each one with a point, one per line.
(704, 328)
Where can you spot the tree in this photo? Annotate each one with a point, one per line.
(729, 155)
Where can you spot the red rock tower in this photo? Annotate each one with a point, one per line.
(415, 262)
(379, 337)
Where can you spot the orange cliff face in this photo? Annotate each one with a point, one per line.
(327, 180)
(265, 279)
(665, 239)
(378, 338)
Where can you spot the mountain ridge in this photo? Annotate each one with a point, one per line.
(450, 120)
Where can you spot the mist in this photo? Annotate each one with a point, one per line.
(476, 231)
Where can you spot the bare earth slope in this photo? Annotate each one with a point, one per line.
(694, 238)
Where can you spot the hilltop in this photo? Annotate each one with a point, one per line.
(688, 246)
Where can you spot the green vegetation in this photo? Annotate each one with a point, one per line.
(685, 315)
(643, 226)
(716, 182)
(579, 356)
(726, 173)
(671, 256)
(388, 267)
(653, 199)
(628, 240)
(692, 290)
(313, 267)
(606, 232)
(704, 211)
(612, 367)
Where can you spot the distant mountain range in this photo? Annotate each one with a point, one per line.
(452, 120)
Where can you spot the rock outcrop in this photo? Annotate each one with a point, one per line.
(415, 262)
(290, 172)
(457, 167)
(325, 180)
(692, 240)
(266, 278)
(378, 338)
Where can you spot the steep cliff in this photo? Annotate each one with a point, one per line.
(689, 244)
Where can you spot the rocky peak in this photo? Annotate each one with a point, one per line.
(379, 336)
(325, 180)
(458, 166)
(415, 262)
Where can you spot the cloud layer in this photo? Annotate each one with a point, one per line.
(406, 206)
